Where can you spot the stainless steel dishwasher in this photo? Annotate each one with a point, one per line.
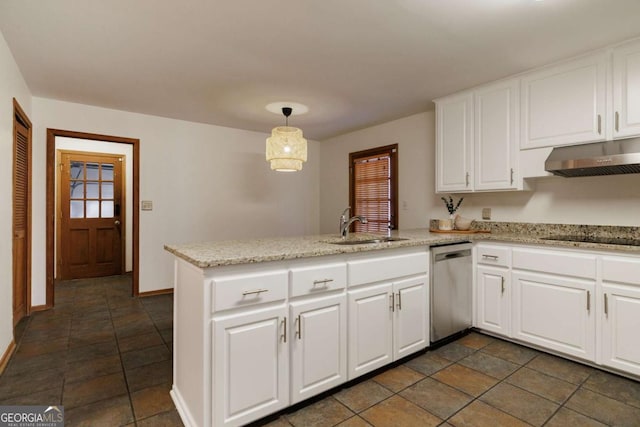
(451, 283)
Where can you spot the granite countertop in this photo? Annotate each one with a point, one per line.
(234, 252)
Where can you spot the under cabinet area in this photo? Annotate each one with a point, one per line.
(251, 340)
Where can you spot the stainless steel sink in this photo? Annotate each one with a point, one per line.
(367, 241)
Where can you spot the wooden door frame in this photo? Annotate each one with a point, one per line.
(51, 197)
(19, 112)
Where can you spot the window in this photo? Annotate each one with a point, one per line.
(373, 188)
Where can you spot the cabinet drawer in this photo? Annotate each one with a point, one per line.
(555, 262)
(248, 289)
(385, 268)
(316, 279)
(622, 270)
(493, 255)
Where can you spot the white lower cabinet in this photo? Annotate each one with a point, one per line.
(555, 312)
(370, 328)
(387, 321)
(493, 304)
(620, 318)
(318, 340)
(250, 365)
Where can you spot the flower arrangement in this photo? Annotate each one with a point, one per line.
(451, 206)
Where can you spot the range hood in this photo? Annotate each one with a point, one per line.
(600, 158)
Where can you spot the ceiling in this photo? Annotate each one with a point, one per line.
(354, 63)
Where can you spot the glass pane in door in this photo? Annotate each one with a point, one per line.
(93, 171)
(77, 170)
(77, 189)
(107, 172)
(76, 209)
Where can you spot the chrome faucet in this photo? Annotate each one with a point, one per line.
(346, 223)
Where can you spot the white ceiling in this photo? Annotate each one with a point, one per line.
(354, 63)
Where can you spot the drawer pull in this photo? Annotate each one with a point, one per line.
(322, 282)
(255, 291)
(493, 257)
(606, 305)
(502, 283)
(588, 300)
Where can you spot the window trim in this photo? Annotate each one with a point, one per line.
(393, 149)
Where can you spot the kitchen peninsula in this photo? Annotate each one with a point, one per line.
(260, 325)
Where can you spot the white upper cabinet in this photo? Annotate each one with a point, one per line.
(564, 104)
(454, 146)
(496, 136)
(626, 90)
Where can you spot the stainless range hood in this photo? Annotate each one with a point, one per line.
(600, 158)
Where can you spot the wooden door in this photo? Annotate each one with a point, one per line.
(92, 215)
(21, 219)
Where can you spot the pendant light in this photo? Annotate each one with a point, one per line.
(286, 148)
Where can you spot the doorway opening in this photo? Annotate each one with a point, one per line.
(87, 226)
(21, 270)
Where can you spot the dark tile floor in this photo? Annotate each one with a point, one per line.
(479, 381)
(102, 354)
(106, 357)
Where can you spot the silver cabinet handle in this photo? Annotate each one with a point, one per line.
(392, 306)
(399, 300)
(617, 121)
(606, 305)
(322, 282)
(599, 124)
(255, 291)
(588, 300)
(493, 257)
(284, 330)
(299, 327)
(511, 176)
(466, 179)
(502, 283)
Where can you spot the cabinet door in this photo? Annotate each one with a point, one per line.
(620, 326)
(250, 366)
(493, 303)
(454, 147)
(564, 104)
(370, 329)
(496, 136)
(410, 323)
(555, 312)
(318, 345)
(626, 90)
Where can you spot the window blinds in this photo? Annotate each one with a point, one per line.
(372, 186)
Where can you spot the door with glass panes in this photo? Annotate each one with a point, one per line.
(92, 215)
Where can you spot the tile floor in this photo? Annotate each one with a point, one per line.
(107, 358)
(102, 354)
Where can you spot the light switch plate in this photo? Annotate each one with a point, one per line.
(486, 213)
(146, 205)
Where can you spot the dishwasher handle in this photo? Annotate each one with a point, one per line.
(451, 255)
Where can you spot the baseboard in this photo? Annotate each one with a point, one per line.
(7, 355)
(42, 307)
(184, 413)
(158, 292)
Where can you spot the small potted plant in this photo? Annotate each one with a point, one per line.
(452, 207)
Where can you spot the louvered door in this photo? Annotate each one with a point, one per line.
(21, 215)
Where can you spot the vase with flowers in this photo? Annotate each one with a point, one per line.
(452, 207)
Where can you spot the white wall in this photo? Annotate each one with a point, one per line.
(415, 136)
(126, 151)
(598, 200)
(206, 183)
(12, 85)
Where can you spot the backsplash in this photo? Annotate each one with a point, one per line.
(541, 229)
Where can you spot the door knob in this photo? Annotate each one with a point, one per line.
(117, 222)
